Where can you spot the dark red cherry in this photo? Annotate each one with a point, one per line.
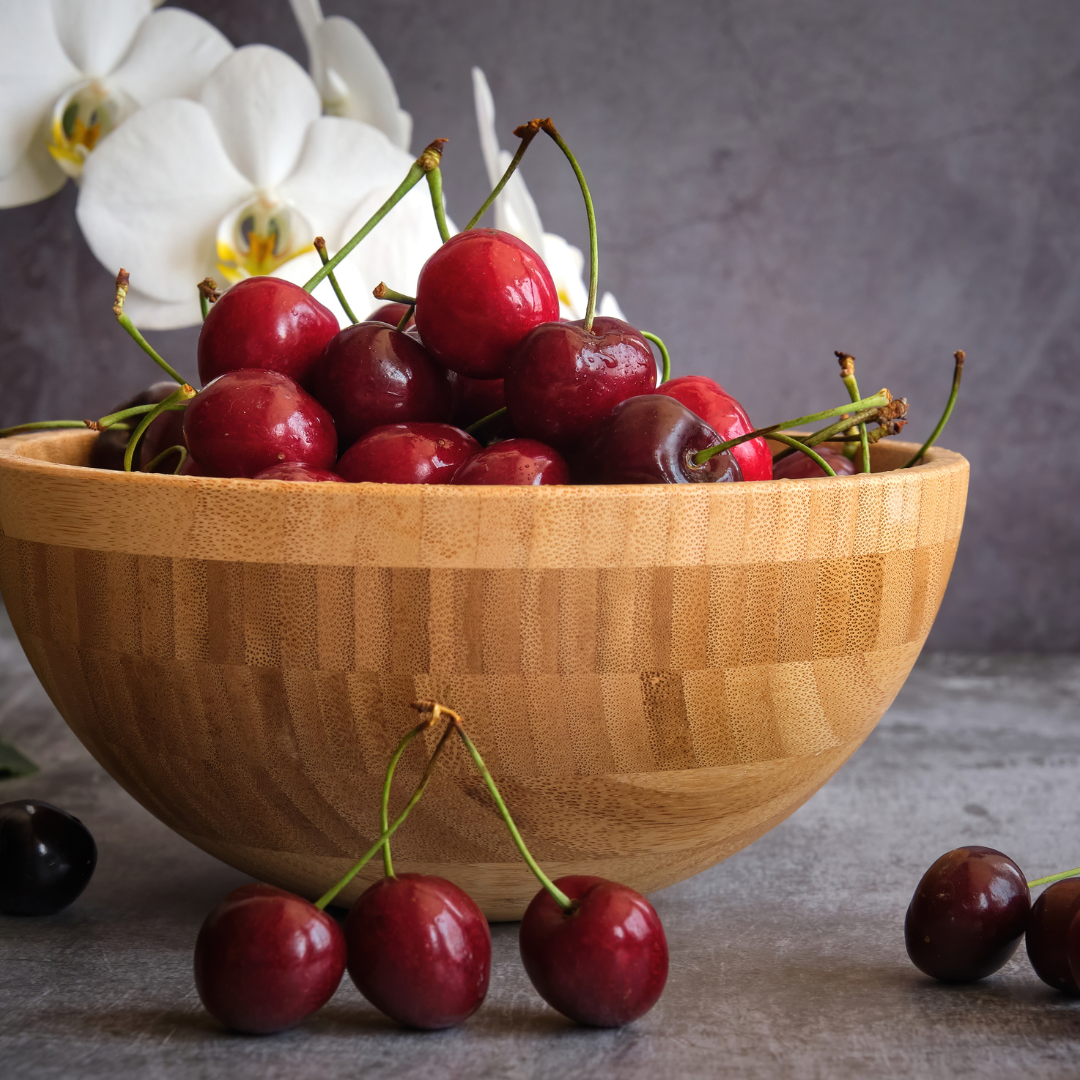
(298, 470)
(371, 374)
(798, 466)
(390, 313)
(109, 447)
(515, 461)
(726, 417)
(419, 950)
(248, 420)
(476, 398)
(967, 915)
(477, 296)
(412, 453)
(265, 959)
(651, 439)
(604, 960)
(564, 379)
(191, 467)
(267, 323)
(1047, 936)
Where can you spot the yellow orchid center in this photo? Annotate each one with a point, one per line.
(260, 236)
(80, 118)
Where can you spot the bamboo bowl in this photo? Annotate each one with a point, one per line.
(656, 675)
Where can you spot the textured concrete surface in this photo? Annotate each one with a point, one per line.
(787, 960)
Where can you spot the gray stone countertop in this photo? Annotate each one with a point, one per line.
(786, 961)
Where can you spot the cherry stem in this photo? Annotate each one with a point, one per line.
(368, 855)
(320, 247)
(382, 291)
(594, 251)
(384, 817)
(813, 455)
(123, 280)
(124, 414)
(827, 433)
(527, 132)
(958, 356)
(427, 161)
(175, 401)
(883, 397)
(483, 422)
(1054, 877)
(158, 459)
(434, 180)
(847, 373)
(404, 320)
(41, 425)
(208, 294)
(666, 373)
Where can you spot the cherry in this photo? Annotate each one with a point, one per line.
(515, 461)
(419, 950)
(726, 417)
(392, 314)
(248, 420)
(604, 960)
(46, 858)
(564, 380)
(476, 398)
(1047, 936)
(413, 453)
(267, 323)
(191, 467)
(108, 449)
(371, 374)
(967, 915)
(265, 959)
(651, 439)
(477, 296)
(297, 470)
(798, 466)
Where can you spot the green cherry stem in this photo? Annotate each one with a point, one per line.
(847, 373)
(123, 280)
(527, 132)
(483, 422)
(665, 355)
(124, 414)
(1054, 877)
(804, 449)
(158, 459)
(434, 181)
(41, 425)
(320, 247)
(175, 401)
(404, 320)
(830, 432)
(208, 294)
(427, 161)
(384, 816)
(382, 291)
(594, 251)
(958, 357)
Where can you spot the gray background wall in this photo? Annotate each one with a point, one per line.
(774, 180)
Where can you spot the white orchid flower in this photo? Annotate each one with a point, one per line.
(240, 182)
(350, 74)
(515, 212)
(72, 70)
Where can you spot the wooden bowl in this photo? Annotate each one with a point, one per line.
(656, 675)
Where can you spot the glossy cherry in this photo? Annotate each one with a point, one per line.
(46, 858)
(726, 417)
(477, 296)
(476, 398)
(267, 323)
(248, 420)
(798, 466)
(651, 439)
(967, 915)
(109, 447)
(298, 470)
(265, 959)
(604, 960)
(414, 453)
(564, 380)
(1047, 935)
(371, 374)
(419, 950)
(515, 461)
(390, 313)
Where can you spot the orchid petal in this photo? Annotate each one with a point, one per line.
(97, 35)
(309, 18)
(153, 195)
(609, 307)
(356, 290)
(566, 264)
(151, 314)
(35, 177)
(172, 55)
(261, 101)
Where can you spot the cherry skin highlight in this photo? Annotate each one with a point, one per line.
(414, 453)
(564, 380)
(798, 466)
(248, 420)
(515, 461)
(298, 470)
(967, 915)
(604, 961)
(268, 323)
(726, 417)
(265, 959)
(1047, 935)
(371, 374)
(477, 296)
(419, 950)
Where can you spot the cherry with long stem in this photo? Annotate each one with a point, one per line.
(434, 180)
(123, 281)
(665, 356)
(958, 371)
(320, 247)
(526, 132)
(834, 431)
(174, 402)
(847, 374)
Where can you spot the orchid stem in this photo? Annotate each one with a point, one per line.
(813, 455)
(1054, 877)
(847, 373)
(527, 132)
(665, 355)
(123, 280)
(434, 179)
(176, 400)
(958, 370)
(320, 247)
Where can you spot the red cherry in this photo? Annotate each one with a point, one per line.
(798, 466)
(1047, 934)
(264, 322)
(109, 447)
(564, 379)
(478, 295)
(191, 467)
(726, 417)
(390, 313)
(413, 453)
(297, 470)
(248, 420)
(604, 960)
(515, 461)
(370, 375)
(475, 398)
(419, 950)
(265, 959)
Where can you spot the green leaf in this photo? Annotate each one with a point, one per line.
(13, 764)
